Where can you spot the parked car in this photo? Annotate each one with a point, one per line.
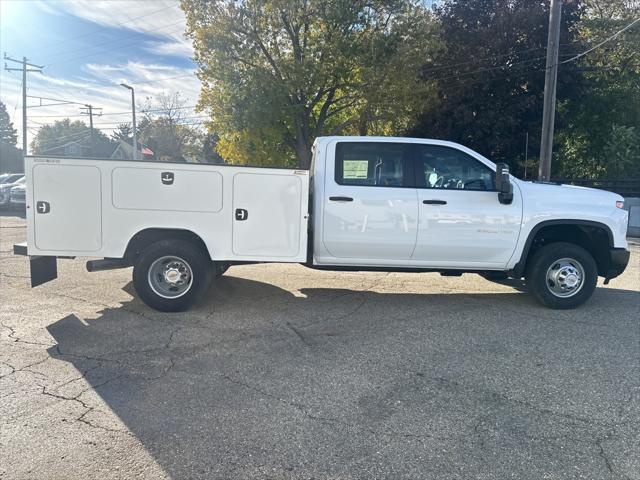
(10, 177)
(5, 188)
(367, 203)
(17, 197)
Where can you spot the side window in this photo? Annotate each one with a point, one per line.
(371, 164)
(444, 167)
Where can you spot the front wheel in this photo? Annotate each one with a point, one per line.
(562, 275)
(170, 275)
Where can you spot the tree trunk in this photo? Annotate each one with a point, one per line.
(303, 152)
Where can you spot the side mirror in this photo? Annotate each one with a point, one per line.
(503, 184)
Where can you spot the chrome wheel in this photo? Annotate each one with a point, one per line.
(170, 277)
(565, 277)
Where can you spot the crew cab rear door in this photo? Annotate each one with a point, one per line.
(370, 206)
(462, 223)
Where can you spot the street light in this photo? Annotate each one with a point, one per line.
(133, 108)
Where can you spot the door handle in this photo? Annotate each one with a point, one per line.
(434, 202)
(341, 199)
(241, 214)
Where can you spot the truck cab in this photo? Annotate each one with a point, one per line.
(409, 203)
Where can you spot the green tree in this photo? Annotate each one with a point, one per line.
(490, 75)
(10, 155)
(278, 73)
(622, 151)
(601, 124)
(67, 138)
(124, 132)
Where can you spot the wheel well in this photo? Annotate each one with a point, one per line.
(594, 239)
(146, 237)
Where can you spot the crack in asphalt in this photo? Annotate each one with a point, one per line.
(599, 442)
(298, 334)
(16, 339)
(13, 276)
(358, 307)
(304, 410)
(87, 408)
(24, 368)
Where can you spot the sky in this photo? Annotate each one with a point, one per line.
(88, 48)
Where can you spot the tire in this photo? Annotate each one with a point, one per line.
(180, 261)
(562, 275)
(219, 269)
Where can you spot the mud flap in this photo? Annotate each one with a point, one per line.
(43, 268)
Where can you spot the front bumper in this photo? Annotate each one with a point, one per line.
(618, 261)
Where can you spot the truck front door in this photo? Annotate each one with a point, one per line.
(462, 223)
(370, 206)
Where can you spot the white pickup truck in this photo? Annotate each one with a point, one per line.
(368, 203)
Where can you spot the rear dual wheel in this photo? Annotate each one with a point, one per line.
(170, 275)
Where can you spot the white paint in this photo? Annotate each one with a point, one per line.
(274, 205)
(74, 222)
(190, 191)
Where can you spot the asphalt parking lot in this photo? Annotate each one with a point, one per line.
(288, 373)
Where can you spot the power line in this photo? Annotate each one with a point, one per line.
(192, 74)
(595, 47)
(119, 113)
(195, 117)
(108, 42)
(65, 143)
(61, 102)
(479, 60)
(69, 136)
(489, 69)
(93, 32)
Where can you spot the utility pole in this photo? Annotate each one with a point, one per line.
(88, 110)
(133, 110)
(550, 80)
(24, 69)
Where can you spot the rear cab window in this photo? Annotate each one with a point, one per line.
(372, 164)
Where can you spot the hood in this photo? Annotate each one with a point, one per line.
(570, 193)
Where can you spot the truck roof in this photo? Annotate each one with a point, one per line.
(357, 138)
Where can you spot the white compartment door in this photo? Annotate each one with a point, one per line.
(269, 220)
(67, 208)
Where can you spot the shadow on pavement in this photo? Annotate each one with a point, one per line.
(259, 382)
